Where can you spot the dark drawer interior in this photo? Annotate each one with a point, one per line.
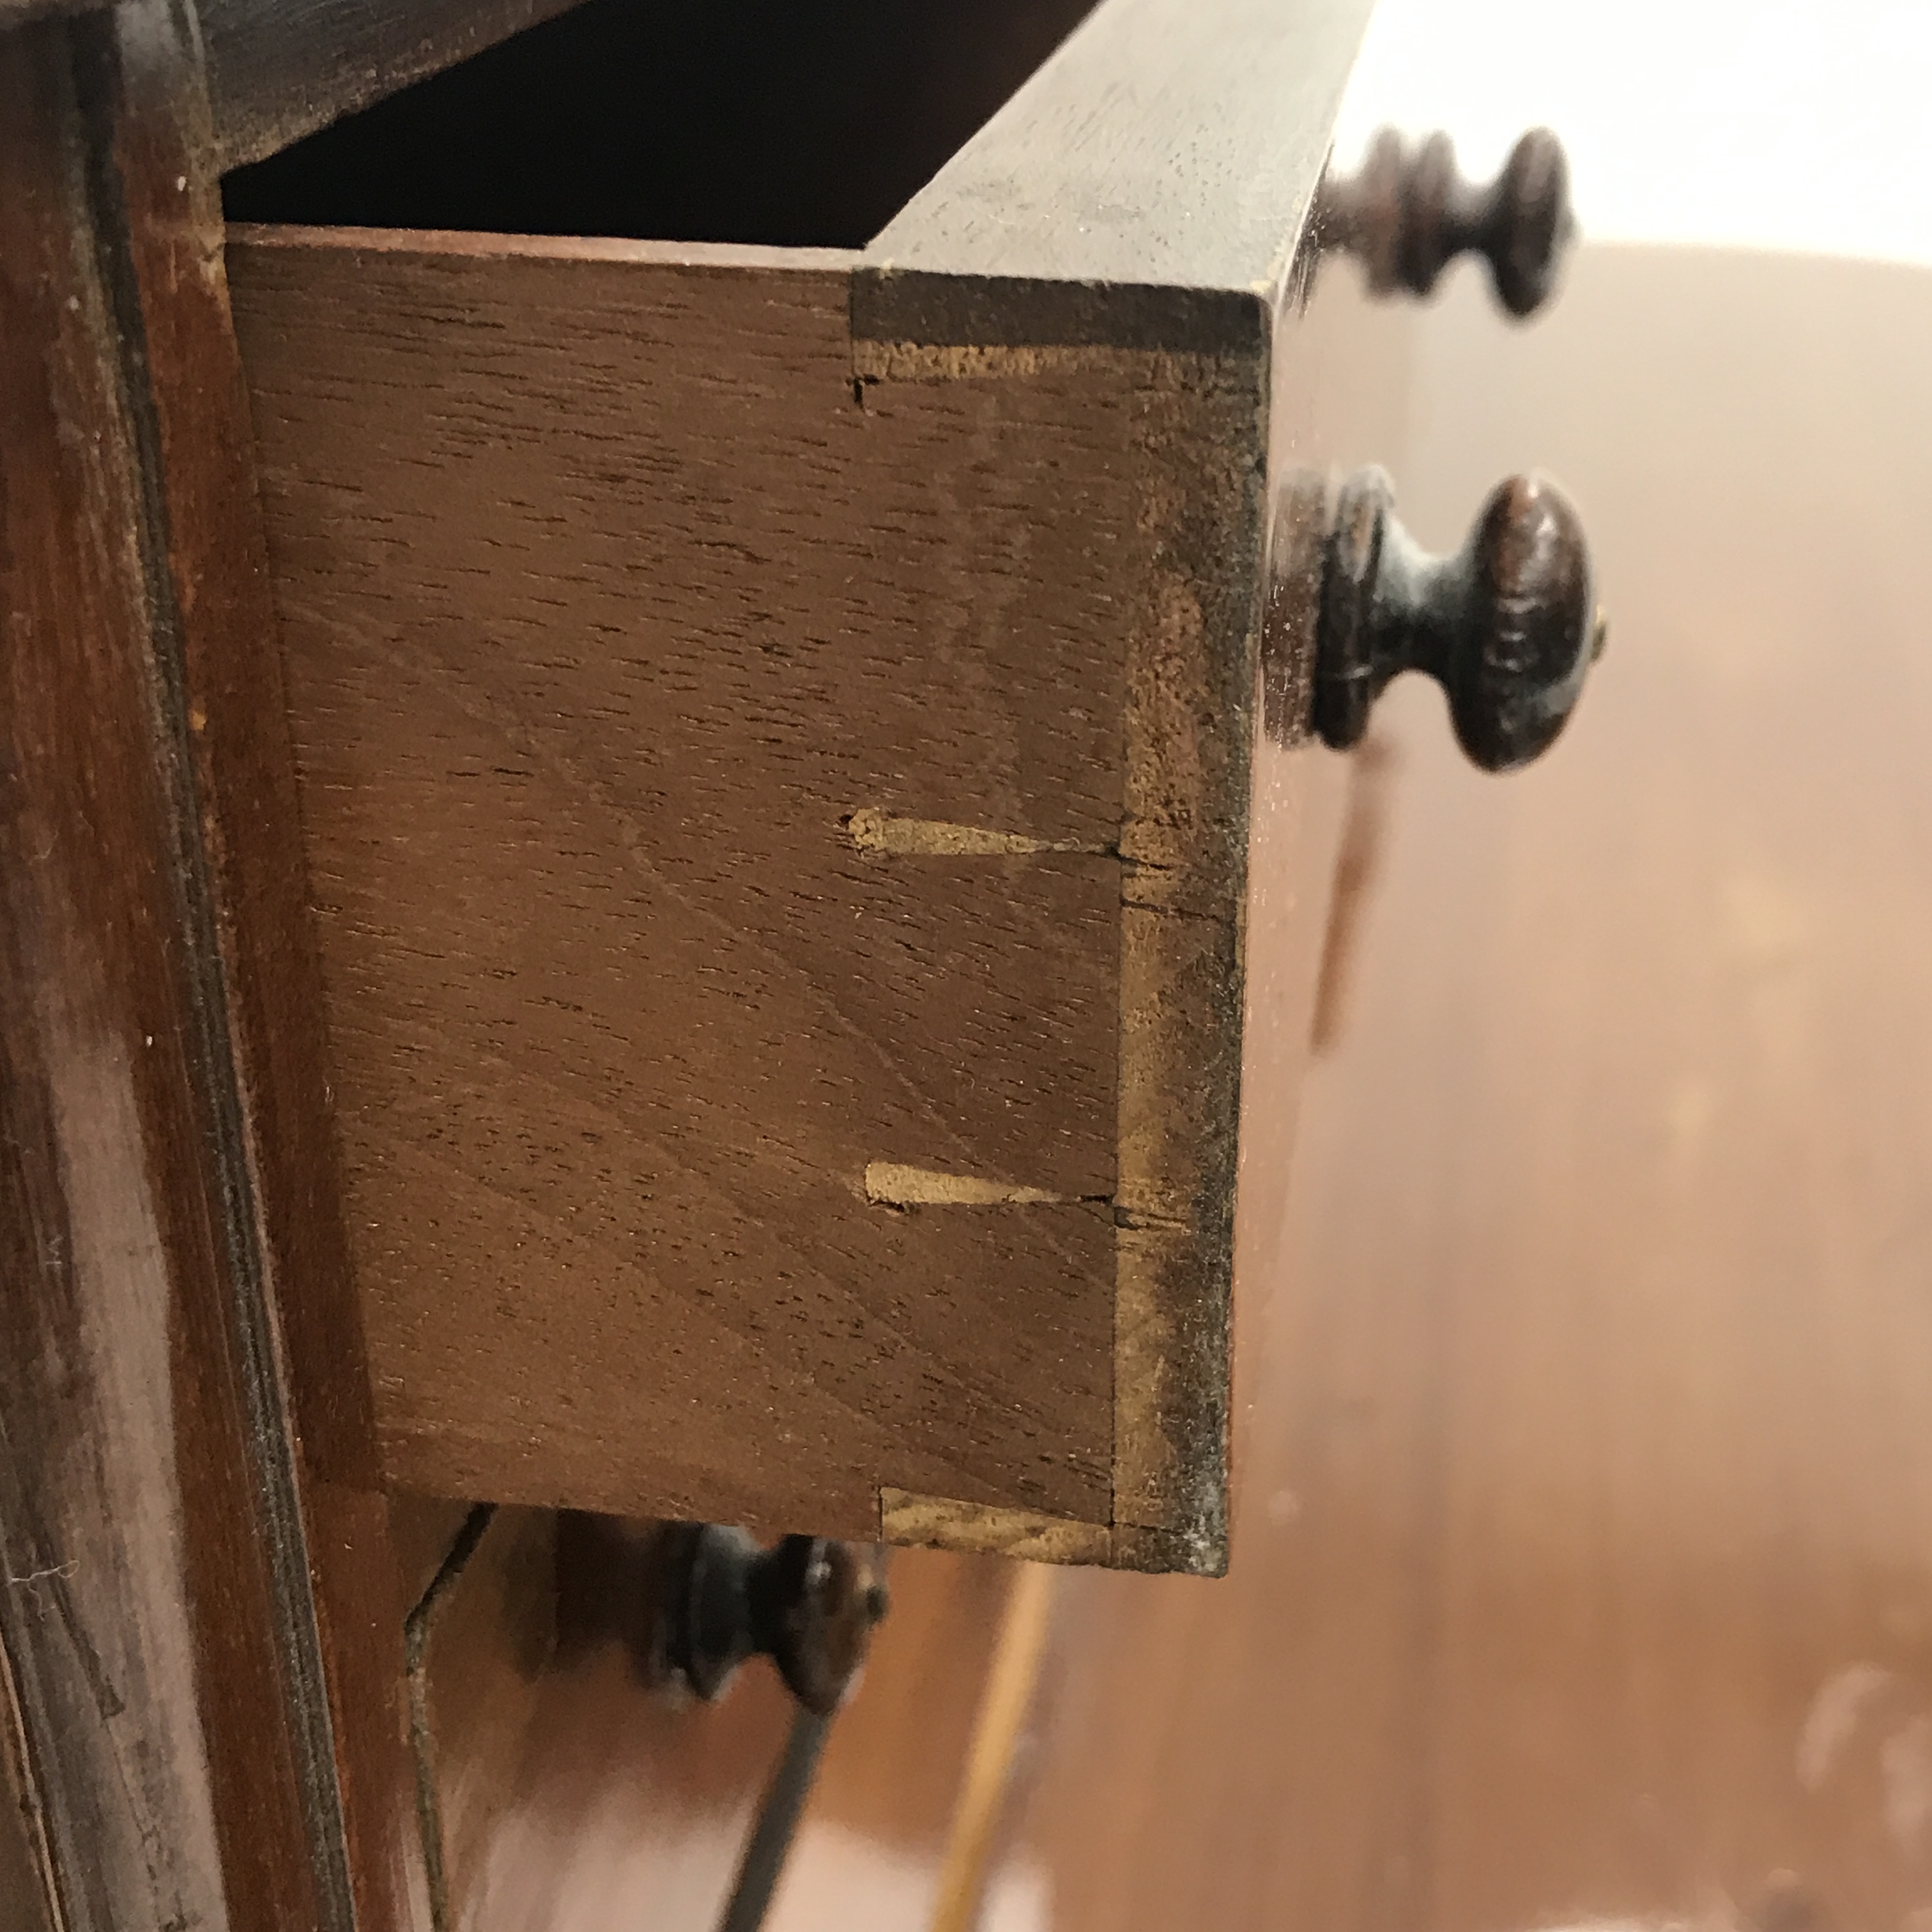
(737, 121)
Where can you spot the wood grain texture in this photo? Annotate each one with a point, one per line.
(147, 1628)
(267, 1048)
(939, 1523)
(611, 607)
(776, 758)
(1580, 1572)
(198, 1672)
(277, 72)
(27, 1882)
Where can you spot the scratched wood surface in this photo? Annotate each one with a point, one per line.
(737, 797)
(26, 1876)
(1581, 1574)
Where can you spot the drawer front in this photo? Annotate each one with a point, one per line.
(782, 754)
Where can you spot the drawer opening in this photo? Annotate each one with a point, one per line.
(787, 123)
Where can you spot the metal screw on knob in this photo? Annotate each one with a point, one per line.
(1508, 626)
(807, 1603)
(1406, 217)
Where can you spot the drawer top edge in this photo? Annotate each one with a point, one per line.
(1158, 147)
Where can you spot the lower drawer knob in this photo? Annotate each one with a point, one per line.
(1508, 626)
(808, 1602)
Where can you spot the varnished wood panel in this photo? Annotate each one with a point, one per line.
(170, 1644)
(1580, 1573)
(645, 668)
(266, 1044)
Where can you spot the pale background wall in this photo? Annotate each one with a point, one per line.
(1773, 124)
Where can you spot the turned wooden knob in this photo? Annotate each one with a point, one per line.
(1407, 216)
(1508, 626)
(808, 1604)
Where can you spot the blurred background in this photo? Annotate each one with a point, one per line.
(1583, 1571)
(1791, 127)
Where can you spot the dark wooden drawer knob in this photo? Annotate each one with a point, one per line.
(1407, 216)
(1508, 626)
(808, 1604)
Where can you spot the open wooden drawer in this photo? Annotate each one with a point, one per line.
(786, 795)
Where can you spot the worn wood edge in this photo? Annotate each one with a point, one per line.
(1012, 1685)
(890, 311)
(984, 1529)
(1192, 682)
(472, 245)
(243, 879)
(1153, 145)
(26, 1858)
(921, 306)
(416, 1631)
(277, 72)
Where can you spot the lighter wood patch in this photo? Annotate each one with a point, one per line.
(940, 1522)
(882, 834)
(891, 1186)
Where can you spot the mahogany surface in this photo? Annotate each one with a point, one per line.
(200, 1616)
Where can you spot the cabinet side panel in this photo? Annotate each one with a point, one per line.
(712, 773)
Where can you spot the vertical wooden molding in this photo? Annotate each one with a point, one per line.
(141, 1633)
(209, 1665)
